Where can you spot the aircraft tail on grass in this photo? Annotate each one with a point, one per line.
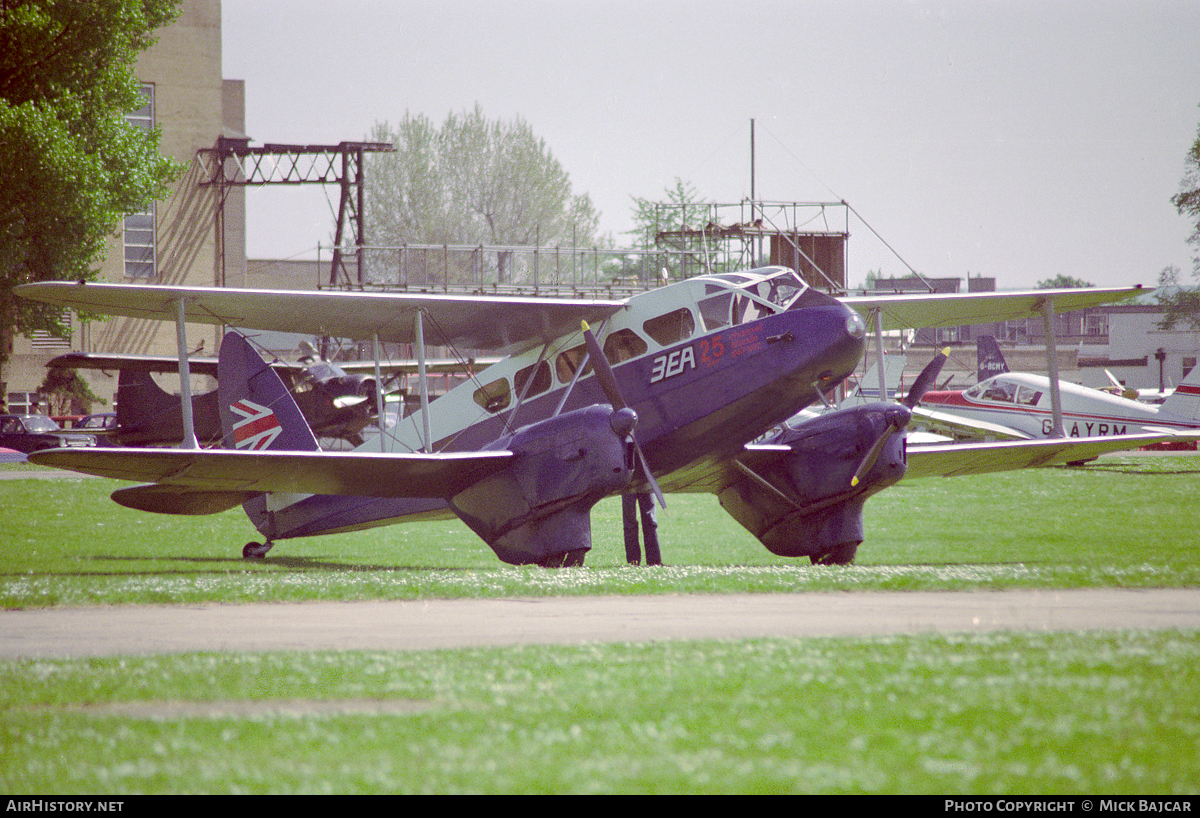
(148, 415)
(257, 411)
(1185, 400)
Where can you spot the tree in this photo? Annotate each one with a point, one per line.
(680, 209)
(473, 181)
(1180, 303)
(71, 167)
(67, 393)
(1187, 200)
(1063, 282)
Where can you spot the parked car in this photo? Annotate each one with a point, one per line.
(104, 425)
(32, 433)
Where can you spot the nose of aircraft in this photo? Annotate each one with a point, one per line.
(844, 330)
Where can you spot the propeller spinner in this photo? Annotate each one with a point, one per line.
(612, 391)
(897, 420)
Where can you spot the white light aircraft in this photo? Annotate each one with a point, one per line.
(1021, 401)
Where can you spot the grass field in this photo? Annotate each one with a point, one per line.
(998, 713)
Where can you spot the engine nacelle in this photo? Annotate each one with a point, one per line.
(539, 509)
(805, 503)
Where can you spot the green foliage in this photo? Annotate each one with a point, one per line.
(70, 166)
(472, 181)
(680, 208)
(1063, 282)
(1182, 303)
(68, 393)
(1187, 201)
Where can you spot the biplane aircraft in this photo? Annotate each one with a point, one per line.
(682, 388)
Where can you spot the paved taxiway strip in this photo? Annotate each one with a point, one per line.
(429, 624)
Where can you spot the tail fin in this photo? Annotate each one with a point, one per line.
(989, 359)
(147, 415)
(257, 411)
(1185, 400)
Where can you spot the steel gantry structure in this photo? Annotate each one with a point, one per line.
(234, 163)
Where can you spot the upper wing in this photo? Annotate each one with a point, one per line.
(229, 470)
(954, 459)
(505, 324)
(961, 309)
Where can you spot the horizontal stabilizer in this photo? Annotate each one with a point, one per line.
(167, 499)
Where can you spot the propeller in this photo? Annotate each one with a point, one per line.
(926, 379)
(608, 382)
(1122, 390)
(895, 421)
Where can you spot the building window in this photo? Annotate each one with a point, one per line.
(140, 252)
(1096, 324)
(47, 341)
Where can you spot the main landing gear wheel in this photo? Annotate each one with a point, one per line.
(568, 559)
(841, 554)
(256, 550)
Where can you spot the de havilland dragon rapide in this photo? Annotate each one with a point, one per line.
(685, 388)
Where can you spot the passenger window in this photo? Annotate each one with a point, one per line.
(623, 345)
(715, 311)
(1027, 396)
(671, 328)
(494, 396)
(568, 361)
(539, 372)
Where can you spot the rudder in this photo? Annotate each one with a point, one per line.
(257, 411)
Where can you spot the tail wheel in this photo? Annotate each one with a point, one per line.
(256, 550)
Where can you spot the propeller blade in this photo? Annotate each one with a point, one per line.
(608, 382)
(604, 373)
(873, 453)
(926, 379)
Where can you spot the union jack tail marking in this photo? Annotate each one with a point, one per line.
(258, 427)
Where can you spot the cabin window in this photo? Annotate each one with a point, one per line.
(539, 373)
(747, 309)
(568, 361)
(1028, 396)
(671, 328)
(623, 345)
(1000, 392)
(494, 396)
(715, 311)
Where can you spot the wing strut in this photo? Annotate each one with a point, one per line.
(185, 378)
(883, 390)
(1052, 367)
(381, 418)
(427, 435)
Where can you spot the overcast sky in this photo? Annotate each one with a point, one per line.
(1011, 139)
